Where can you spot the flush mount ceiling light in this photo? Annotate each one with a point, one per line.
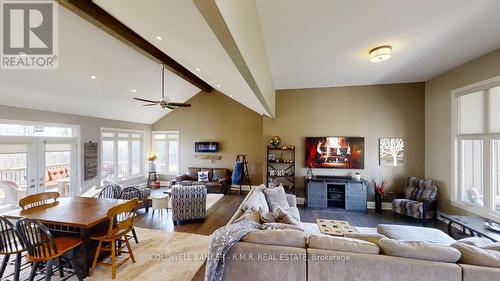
(381, 53)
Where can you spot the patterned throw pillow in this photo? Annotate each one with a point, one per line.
(203, 176)
(287, 218)
(249, 215)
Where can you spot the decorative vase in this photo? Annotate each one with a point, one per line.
(275, 141)
(152, 167)
(378, 202)
(309, 174)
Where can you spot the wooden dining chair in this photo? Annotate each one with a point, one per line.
(130, 193)
(46, 199)
(43, 248)
(10, 244)
(112, 191)
(121, 222)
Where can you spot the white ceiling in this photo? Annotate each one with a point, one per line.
(85, 50)
(325, 43)
(188, 39)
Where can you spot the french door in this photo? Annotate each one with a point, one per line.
(36, 164)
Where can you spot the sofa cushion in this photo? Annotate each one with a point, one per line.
(334, 243)
(277, 237)
(419, 250)
(219, 174)
(480, 242)
(477, 256)
(285, 217)
(192, 173)
(294, 211)
(495, 246)
(276, 198)
(255, 200)
(186, 182)
(368, 237)
(415, 233)
(420, 189)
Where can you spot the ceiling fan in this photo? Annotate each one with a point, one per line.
(164, 102)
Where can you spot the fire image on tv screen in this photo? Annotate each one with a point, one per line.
(335, 152)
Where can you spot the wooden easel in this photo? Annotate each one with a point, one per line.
(244, 176)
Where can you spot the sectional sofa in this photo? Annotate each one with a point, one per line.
(290, 254)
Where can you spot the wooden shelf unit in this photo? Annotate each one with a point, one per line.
(284, 161)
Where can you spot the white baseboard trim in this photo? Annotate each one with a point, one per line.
(243, 187)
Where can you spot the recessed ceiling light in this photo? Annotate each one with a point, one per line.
(158, 37)
(133, 90)
(218, 86)
(381, 53)
(198, 70)
(93, 77)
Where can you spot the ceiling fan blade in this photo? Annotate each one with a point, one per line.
(145, 100)
(176, 104)
(170, 107)
(151, 104)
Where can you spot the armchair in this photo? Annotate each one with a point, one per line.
(419, 199)
(188, 203)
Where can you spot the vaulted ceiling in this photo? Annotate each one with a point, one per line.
(325, 43)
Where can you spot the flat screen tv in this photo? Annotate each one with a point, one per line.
(206, 146)
(335, 152)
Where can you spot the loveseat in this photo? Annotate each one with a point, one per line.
(288, 254)
(219, 179)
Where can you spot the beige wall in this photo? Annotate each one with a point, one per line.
(368, 111)
(90, 128)
(216, 117)
(438, 141)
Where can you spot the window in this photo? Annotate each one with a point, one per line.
(477, 147)
(166, 146)
(122, 155)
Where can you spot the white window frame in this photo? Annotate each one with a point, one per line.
(488, 161)
(167, 164)
(115, 140)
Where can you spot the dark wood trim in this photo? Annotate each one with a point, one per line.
(90, 11)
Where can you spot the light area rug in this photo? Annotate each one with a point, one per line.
(212, 198)
(160, 255)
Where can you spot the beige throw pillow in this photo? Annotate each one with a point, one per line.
(333, 243)
(285, 217)
(256, 200)
(480, 242)
(276, 198)
(477, 256)
(419, 250)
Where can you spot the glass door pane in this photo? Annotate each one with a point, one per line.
(16, 172)
(472, 172)
(58, 166)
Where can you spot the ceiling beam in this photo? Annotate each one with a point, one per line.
(90, 11)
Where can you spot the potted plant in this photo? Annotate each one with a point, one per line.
(152, 158)
(379, 188)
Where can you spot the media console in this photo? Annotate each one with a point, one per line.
(336, 192)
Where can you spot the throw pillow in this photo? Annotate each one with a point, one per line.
(285, 217)
(480, 242)
(495, 247)
(333, 243)
(419, 250)
(276, 198)
(203, 176)
(249, 215)
(277, 225)
(255, 200)
(267, 217)
(477, 256)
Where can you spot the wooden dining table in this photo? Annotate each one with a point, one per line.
(73, 216)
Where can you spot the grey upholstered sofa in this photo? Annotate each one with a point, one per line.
(286, 254)
(188, 203)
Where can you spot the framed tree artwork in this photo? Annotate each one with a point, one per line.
(391, 152)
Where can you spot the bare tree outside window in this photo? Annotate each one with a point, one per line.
(391, 152)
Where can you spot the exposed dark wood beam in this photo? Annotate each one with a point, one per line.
(102, 19)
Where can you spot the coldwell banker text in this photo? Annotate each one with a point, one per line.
(29, 34)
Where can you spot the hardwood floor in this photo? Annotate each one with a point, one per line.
(220, 213)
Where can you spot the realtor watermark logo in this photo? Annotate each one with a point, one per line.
(29, 34)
